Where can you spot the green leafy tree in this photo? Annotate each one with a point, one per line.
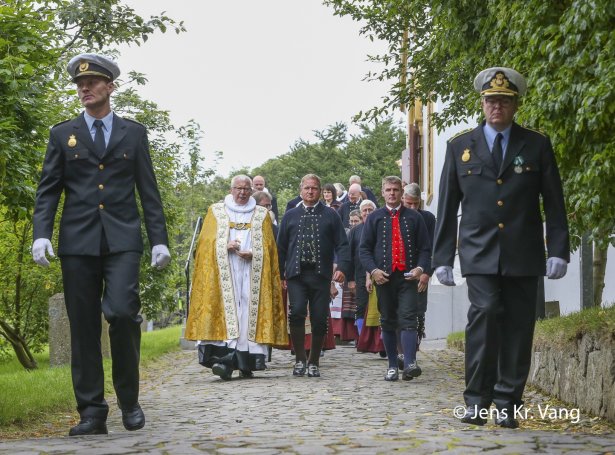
(36, 40)
(24, 291)
(372, 154)
(565, 49)
(158, 288)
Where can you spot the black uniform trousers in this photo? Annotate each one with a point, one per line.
(499, 338)
(313, 290)
(397, 303)
(115, 277)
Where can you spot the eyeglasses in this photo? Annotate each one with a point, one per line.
(240, 189)
(504, 102)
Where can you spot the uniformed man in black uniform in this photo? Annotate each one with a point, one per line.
(97, 160)
(499, 172)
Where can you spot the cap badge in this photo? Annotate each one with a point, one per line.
(83, 66)
(499, 81)
(466, 156)
(72, 141)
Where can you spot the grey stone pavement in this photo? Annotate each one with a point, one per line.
(350, 409)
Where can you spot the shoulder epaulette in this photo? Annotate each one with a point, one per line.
(58, 124)
(133, 121)
(535, 131)
(460, 134)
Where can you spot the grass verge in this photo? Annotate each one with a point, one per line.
(41, 402)
(456, 340)
(598, 322)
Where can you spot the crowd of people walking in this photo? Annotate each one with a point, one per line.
(335, 264)
(334, 256)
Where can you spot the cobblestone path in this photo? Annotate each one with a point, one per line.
(350, 409)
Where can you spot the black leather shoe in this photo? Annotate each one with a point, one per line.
(246, 374)
(299, 369)
(133, 418)
(392, 374)
(313, 371)
(89, 426)
(412, 371)
(507, 422)
(472, 417)
(224, 371)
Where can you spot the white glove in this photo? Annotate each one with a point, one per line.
(160, 256)
(39, 247)
(444, 273)
(556, 268)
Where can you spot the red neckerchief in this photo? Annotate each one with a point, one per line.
(398, 252)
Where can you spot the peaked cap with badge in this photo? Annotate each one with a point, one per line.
(501, 81)
(92, 65)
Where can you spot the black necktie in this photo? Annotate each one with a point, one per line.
(99, 139)
(393, 212)
(497, 151)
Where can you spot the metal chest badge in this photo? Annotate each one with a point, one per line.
(72, 140)
(466, 156)
(518, 162)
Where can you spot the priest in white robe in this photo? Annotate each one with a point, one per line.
(236, 308)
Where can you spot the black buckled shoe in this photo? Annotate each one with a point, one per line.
(299, 369)
(133, 418)
(472, 416)
(507, 422)
(392, 374)
(89, 425)
(224, 371)
(412, 371)
(313, 371)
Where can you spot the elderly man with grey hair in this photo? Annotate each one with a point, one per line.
(369, 193)
(353, 202)
(236, 307)
(412, 200)
(258, 184)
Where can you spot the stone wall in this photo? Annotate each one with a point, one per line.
(582, 374)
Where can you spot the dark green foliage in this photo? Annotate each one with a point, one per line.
(370, 154)
(36, 41)
(565, 49)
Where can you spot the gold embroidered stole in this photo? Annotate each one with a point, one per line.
(223, 225)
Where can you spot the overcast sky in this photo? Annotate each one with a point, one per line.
(256, 75)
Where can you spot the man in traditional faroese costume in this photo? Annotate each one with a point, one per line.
(236, 308)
